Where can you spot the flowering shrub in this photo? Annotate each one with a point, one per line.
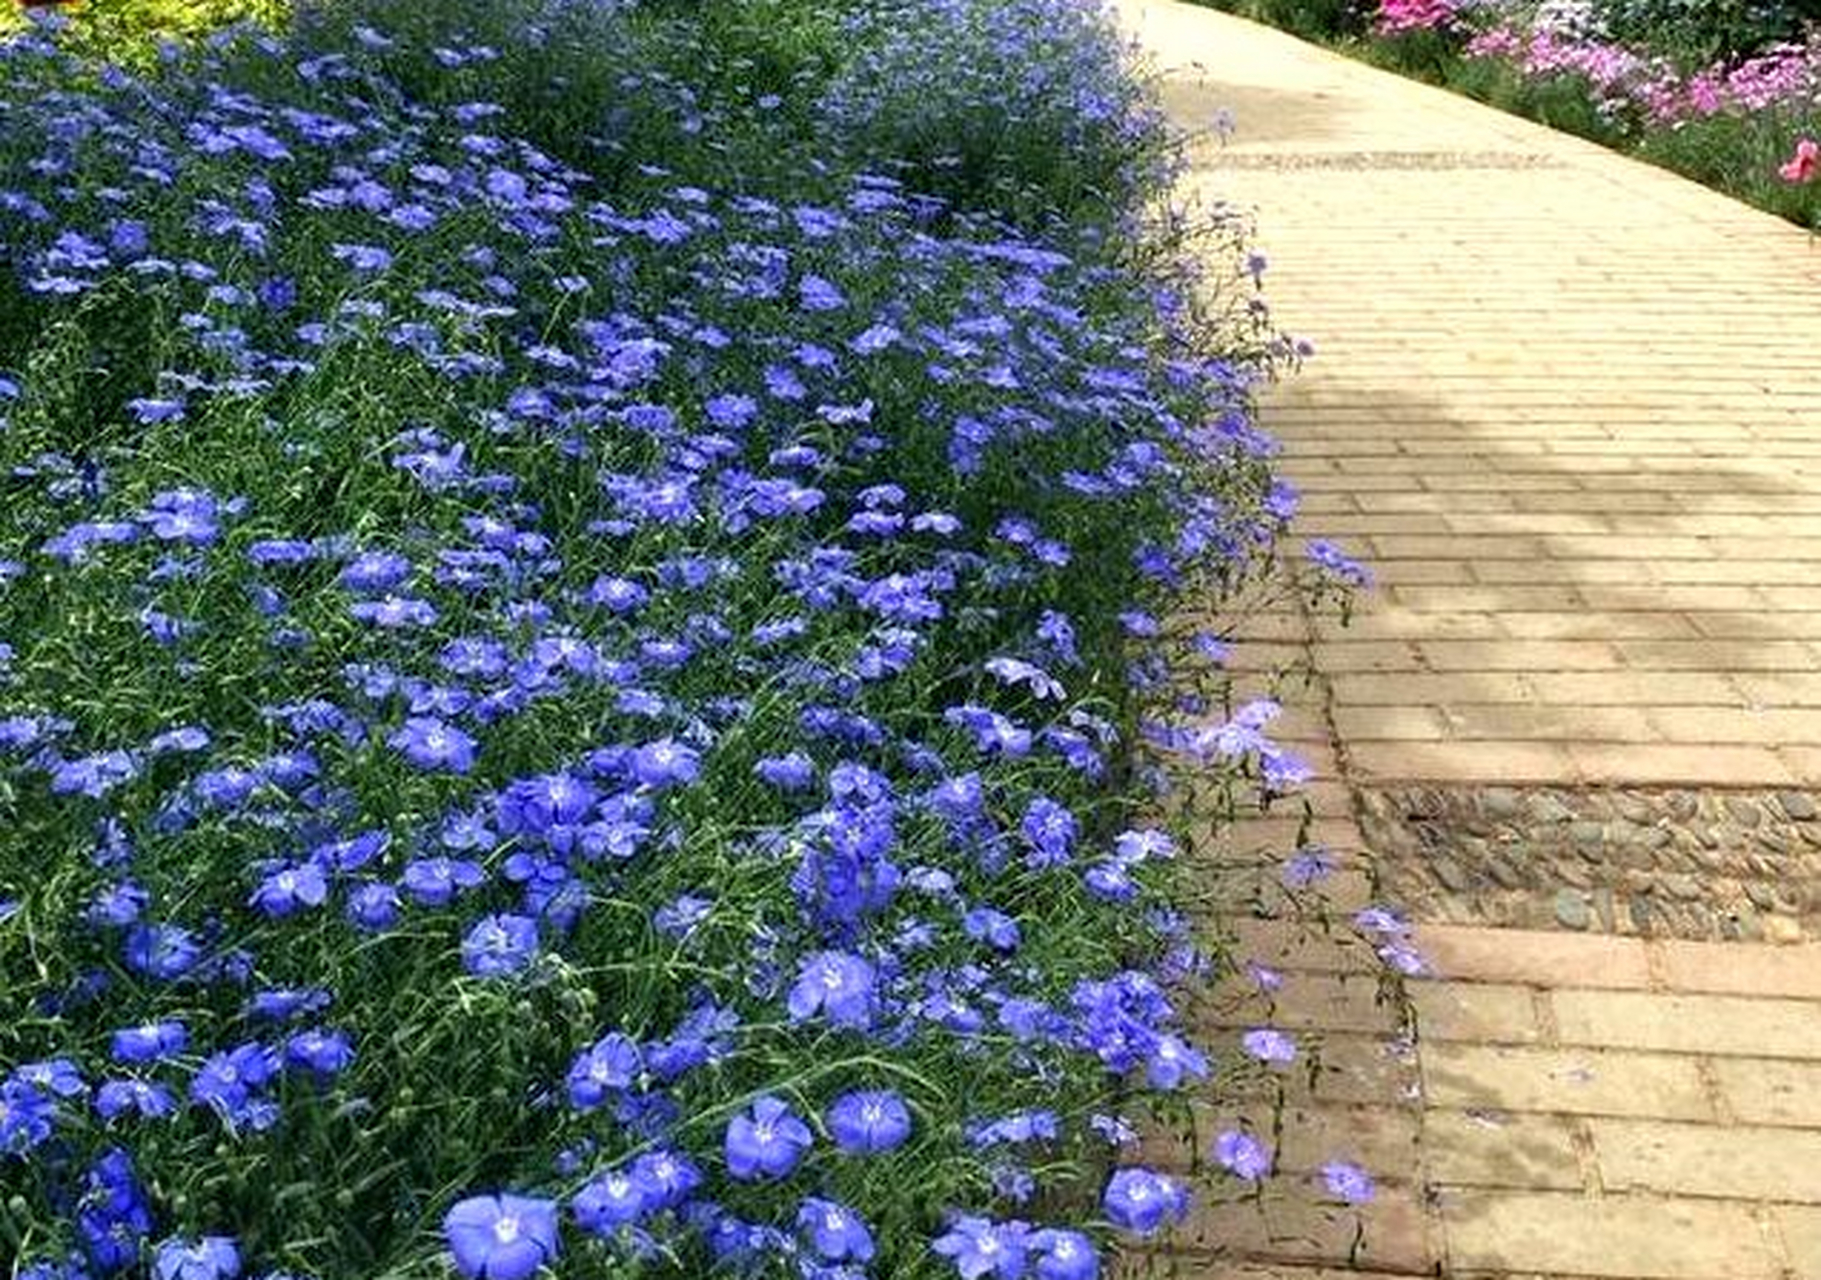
(131, 29)
(571, 677)
(1396, 17)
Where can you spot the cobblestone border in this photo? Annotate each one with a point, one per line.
(1673, 863)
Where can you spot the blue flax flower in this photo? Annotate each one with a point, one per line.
(1064, 1255)
(835, 1232)
(836, 984)
(869, 1121)
(499, 945)
(767, 1143)
(1143, 1202)
(980, 1247)
(210, 1258)
(503, 1237)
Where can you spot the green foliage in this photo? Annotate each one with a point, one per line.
(1699, 32)
(130, 31)
(1311, 19)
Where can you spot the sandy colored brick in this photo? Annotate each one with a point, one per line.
(1766, 726)
(1630, 1237)
(1429, 690)
(1573, 1082)
(1520, 655)
(1477, 762)
(1770, 1092)
(1485, 1013)
(1323, 1001)
(1801, 1232)
(1291, 945)
(1731, 1161)
(1533, 957)
(1635, 688)
(1352, 1069)
(1678, 764)
(1793, 971)
(1537, 722)
(1380, 1138)
(1487, 1148)
(1294, 1223)
(1730, 1026)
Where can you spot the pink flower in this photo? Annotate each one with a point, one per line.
(1398, 16)
(1804, 164)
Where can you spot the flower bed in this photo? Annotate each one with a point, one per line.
(573, 638)
(1726, 94)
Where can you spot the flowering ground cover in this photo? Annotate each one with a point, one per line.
(1726, 93)
(581, 587)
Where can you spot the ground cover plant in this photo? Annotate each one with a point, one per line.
(1727, 92)
(580, 594)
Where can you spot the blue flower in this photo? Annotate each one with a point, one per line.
(1348, 1182)
(152, 1042)
(1064, 1255)
(869, 1121)
(767, 1143)
(434, 882)
(321, 1052)
(431, 744)
(610, 1201)
(117, 1097)
(210, 1258)
(1242, 1155)
(835, 1232)
(612, 1063)
(836, 984)
(499, 945)
(665, 763)
(290, 890)
(1172, 1059)
(995, 928)
(503, 1237)
(1143, 1202)
(665, 1178)
(1269, 1045)
(980, 1247)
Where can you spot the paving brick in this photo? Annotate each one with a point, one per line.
(1721, 1025)
(1354, 1069)
(1589, 1082)
(1676, 764)
(1291, 1224)
(1382, 1139)
(1734, 1162)
(1771, 1092)
(1429, 690)
(1522, 655)
(1484, 1148)
(1481, 1012)
(1615, 1236)
(1540, 722)
(1160, 1264)
(1801, 1232)
(1325, 1001)
(1481, 762)
(1533, 957)
(1754, 971)
(1283, 944)
(1635, 688)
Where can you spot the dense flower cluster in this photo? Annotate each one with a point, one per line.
(560, 711)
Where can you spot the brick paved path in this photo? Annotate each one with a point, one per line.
(1569, 407)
